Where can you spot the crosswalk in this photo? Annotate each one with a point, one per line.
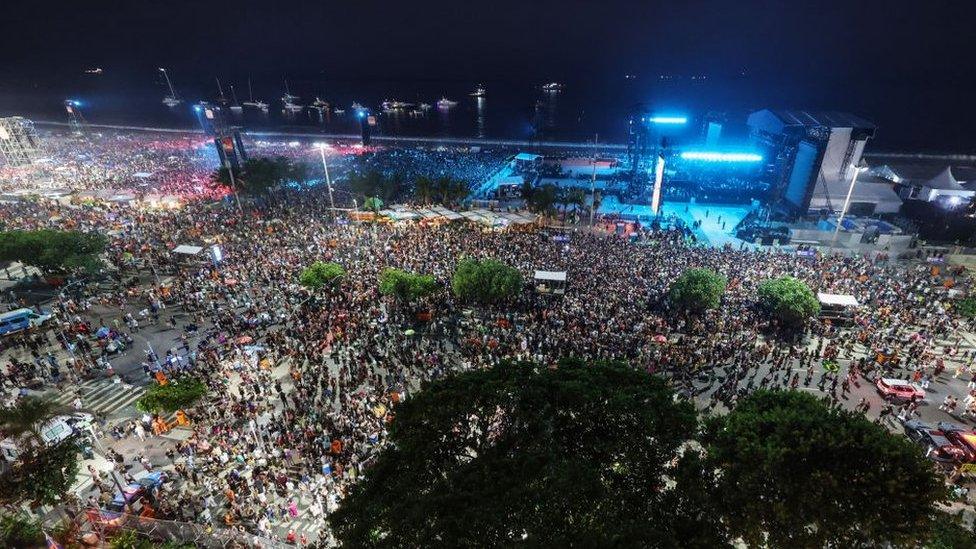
(101, 396)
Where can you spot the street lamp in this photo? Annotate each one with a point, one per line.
(847, 204)
(328, 181)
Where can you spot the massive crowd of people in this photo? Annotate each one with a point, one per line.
(303, 384)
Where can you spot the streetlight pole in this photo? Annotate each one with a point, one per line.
(593, 181)
(843, 212)
(328, 180)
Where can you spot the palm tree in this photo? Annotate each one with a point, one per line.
(460, 191)
(423, 190)
(27, 416)
(373, 204)
(44, 472)
(442, 186)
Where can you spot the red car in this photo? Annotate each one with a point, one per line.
(899, 389)
(961, 437)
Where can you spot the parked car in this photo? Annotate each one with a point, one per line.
(899, 390)
(938, 447)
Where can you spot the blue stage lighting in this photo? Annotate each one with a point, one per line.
(707, 156)
(677, 120)
(197, 108)
(361, 114)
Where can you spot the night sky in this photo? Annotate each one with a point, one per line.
(907, 64)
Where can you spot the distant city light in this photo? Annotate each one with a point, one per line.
(707, 156)
(668, 120)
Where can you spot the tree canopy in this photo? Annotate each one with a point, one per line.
(54, 251)
(374, 184)
(406, 286)
(948, 533)
(487, 281)
(41, 475)
(20, 530)
(697, 290)
(176, 395)
(796, 472)
(520, 454)
(321, 274)
(789, 300)
(259, 176)
(965, 307)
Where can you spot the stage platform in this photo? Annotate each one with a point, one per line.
(717, 220)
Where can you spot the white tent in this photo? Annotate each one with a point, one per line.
(187, 249)
(550, 282)
(559, 276)
(836, 300)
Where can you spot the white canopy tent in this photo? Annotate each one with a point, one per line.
(550, 282)
(187, 249)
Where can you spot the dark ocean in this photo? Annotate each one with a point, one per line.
(907, 120)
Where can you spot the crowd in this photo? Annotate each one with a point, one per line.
(134, 163)
(303, 384)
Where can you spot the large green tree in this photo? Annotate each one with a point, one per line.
(406, 286)
(793, 471)
(697, 290)
(575, 456)
(54, 251)
(789, 300)
(488, 281)
(178, 394)
(321, 274)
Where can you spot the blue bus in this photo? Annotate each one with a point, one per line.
(21, 319)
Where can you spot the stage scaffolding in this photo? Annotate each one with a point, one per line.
(19, 144)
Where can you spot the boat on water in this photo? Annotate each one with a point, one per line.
(446, 103)
(339, 110)
(320, 104)
(221, 98)
(395, 105)
(289, 101)
(94, 70)
(552, 87)
(251, 102)
(480, 91)
(235, 106)
(172, 99)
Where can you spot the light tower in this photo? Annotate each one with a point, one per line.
(75, 119)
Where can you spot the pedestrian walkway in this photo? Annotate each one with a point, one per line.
(101, 396)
